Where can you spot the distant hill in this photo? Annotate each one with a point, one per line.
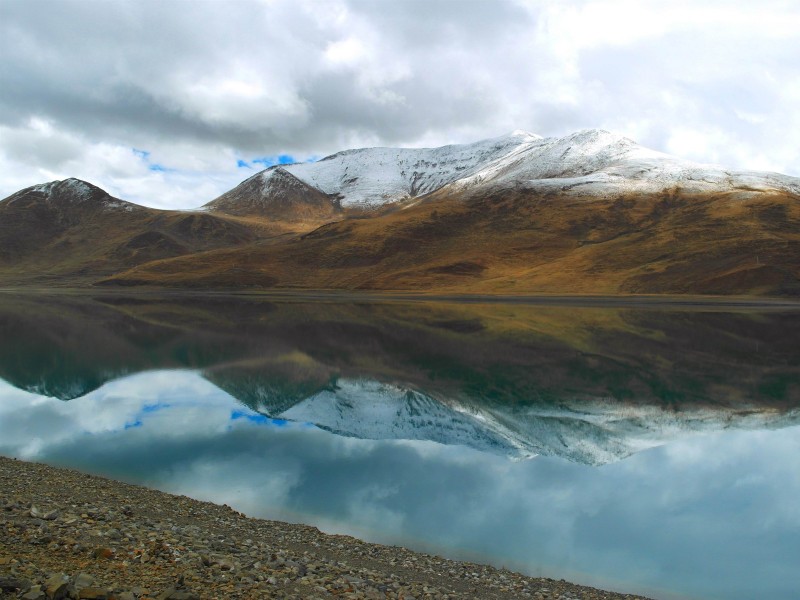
(276, 194)
(70, 230)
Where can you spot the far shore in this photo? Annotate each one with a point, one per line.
(335, 295)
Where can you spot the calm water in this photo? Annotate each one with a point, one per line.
(651, 451)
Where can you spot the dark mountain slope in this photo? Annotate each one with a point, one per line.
(278, 195)
(517, 241)
(71, 231)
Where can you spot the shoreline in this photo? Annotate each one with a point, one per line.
(64, 528)
(662, 301)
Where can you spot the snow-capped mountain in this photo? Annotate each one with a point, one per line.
(593, 162)
(371, 177)
(375, 176)
(71, 193)
(587, 432)
(278, 194)
(598, 163)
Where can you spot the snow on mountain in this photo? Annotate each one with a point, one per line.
(592, 162)
(599, 163)
(75, 188)
(72, 192)
(585, 431)
(277, 193)
(370, 177)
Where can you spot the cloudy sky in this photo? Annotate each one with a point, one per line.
(171, 103)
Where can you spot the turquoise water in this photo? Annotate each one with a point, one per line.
(649, 451)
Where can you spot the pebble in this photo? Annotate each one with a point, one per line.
(34, 593)
(82, 580)
(57, 586)
(91, 593)
(38, 513)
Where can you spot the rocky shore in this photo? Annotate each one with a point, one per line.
(68, 535)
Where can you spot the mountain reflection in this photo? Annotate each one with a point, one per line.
(589, 384)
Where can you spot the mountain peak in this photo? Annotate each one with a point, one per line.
(275, 193)
(373, 177)
(277, 175)
(598, 137)
(524, 135)
(596, 162)
(71, 192)
(70, 189)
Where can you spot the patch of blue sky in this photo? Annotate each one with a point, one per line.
(145, 156)
(134, 424)
(267, 161)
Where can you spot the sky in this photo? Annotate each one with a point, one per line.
(170, 103)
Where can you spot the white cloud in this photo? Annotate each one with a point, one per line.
(192, 175)
(201, 88)
(347, 51)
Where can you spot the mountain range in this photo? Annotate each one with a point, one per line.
(591, 212)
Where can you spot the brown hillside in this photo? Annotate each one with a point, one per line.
(524, 242)
(278, 195)
(72, 232)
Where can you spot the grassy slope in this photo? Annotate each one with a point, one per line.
(519, 242)
(42, 245)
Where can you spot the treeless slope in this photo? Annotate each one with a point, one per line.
(278, 195)
(515, 241)
(73, 232)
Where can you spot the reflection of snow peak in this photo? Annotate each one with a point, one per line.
(590, 432)
(590, 162)
(372, 410)
(587, 431)
(63, 390)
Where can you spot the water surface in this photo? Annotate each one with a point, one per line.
(650, 451)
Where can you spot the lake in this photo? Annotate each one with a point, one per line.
(646, 448)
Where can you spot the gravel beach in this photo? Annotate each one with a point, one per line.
(66, 534)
